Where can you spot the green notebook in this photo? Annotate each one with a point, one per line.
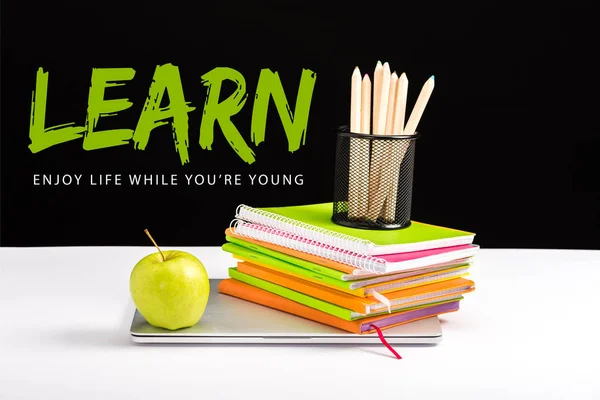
(314, 222)
(265, 255)
(315, 303)
(252, 256)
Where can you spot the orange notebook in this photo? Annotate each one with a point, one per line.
(369, 290)
(247, 292)
(431, 293)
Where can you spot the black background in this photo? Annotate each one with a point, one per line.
(510, 143)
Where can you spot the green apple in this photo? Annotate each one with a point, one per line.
(172, 292)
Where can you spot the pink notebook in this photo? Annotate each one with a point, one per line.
(375, 264)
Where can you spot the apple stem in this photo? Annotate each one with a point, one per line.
(155, 245)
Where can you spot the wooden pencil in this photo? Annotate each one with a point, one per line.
(355, 102)
(389, 123)
(363, 146)
(377, 77)
(378, 152)
(409, 129)
(388, 172)
(400, 106)
(355, 153)
(383, 100)
(419, 108)
(398, 150)
(365, 110)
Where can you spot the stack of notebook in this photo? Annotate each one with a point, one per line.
(296, 260)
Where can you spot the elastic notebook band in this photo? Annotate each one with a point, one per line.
(385, 343)
(384, 300)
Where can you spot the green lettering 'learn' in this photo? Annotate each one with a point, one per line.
(166, 78)
(294, 124)
(40, 136)
(103, 78)
(223, 111)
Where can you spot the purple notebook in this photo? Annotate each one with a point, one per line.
(410, 315)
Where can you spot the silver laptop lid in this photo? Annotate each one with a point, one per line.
(231, 320)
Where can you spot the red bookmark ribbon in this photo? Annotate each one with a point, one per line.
(385, 343)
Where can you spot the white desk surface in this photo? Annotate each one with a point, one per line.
(531, 330)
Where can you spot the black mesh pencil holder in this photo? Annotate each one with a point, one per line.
(373, 180)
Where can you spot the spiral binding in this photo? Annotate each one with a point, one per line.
(304, 230)
(307, 245)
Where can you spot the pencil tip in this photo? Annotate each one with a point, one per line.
(378, 63)
(432, 77)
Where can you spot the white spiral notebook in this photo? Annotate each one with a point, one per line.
(309, 229)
